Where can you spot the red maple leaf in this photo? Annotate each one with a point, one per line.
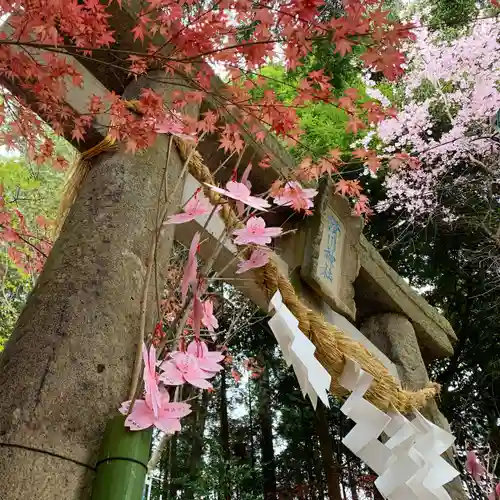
(343, 46)
(138, 32)
(373, 163)
(354, 125)
(360, 153)
(348, 188)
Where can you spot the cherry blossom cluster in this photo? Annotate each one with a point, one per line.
(255, 232)
(452, 95)
(194, 366)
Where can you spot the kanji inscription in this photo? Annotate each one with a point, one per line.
(330, 251)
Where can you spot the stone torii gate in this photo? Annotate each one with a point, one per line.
(338, 273)
(68, 364)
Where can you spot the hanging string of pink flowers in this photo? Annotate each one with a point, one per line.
(194, 363)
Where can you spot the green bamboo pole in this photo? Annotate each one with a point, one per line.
(122, 464)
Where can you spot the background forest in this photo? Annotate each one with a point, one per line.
(262, 440)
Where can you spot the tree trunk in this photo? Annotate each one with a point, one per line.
(67, 366)
(318, 469)
(170, 482)
(312, 480)
(266, 438)
(339, 449)
(198, 430)
(224, 439)
(250, 427)
(352, 485)
(330, 465)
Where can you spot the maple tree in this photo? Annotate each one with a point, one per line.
(235, 37)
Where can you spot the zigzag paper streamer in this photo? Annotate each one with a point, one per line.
(298, 351)
(409, 463)
(362, 440)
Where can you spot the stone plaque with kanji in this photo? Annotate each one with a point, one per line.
(330, 250)
(331, 261)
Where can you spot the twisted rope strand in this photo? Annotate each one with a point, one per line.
(333, 346)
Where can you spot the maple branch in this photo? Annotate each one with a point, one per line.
(63, 49)
(22, 238)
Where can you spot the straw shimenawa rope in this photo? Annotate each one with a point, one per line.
(332, 345)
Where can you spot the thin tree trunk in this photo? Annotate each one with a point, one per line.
(250, 425)
(330, 465)
(343, 489)
(68, 363)
(318, 470)
(197, 450)
(224, 439)
(266, 438)
(311, 470)
(197, 429)
(338, 445)
(170, 487)
(352, 484)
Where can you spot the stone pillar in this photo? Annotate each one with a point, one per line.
(394, 335)
(68, 364)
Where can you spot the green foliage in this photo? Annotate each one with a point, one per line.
(324, 126)
(34, 191)
(451, 18)
(14, 289)
(452, 13)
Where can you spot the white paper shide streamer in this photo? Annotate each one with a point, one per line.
(298, 351)
(409, 463)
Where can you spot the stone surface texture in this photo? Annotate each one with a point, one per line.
(380, 289)
(67, 366)
(331, 262)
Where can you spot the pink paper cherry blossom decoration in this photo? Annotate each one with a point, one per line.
(196, 206)
(151, 379)
(256, 232)
(169, 125)
(189, 275)
(474, 466)
(258, 258)
(208, 319)
(172, 123)
(239, 192)
(295, 196)
(207, 360)
(244, 180)
(182, 368)
(167, 420)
